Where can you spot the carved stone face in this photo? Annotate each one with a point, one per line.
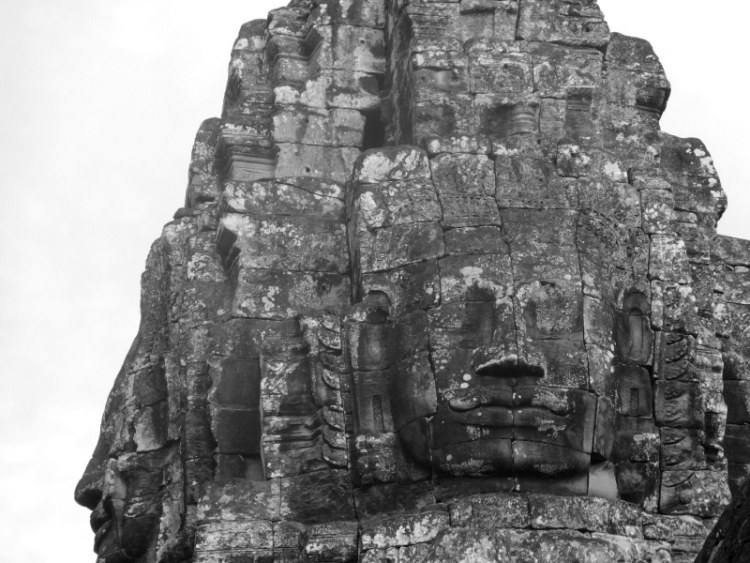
(501, 383)
(127, 514)
(135, 482)
(510, 343)
(505, 345)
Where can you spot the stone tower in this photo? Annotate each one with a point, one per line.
(441, 290)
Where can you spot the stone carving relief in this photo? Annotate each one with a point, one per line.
(441, 287)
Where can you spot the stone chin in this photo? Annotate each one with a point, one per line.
(531, 435)
(508, 458)
(124, 529)
(124, 539)
(126, 496)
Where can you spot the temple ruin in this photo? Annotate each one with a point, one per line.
(441, 290)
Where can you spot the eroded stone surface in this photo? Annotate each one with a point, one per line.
(442, 291)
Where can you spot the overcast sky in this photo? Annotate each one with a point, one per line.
(100, 103)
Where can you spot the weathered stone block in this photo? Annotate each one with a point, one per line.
(618, 201)
(491, 511)
(239, 501)
(310, 126)
(669, 260)
(237, 383)
(443, 116)
(475, 240)
(682, 449)
(367, 13)
(472, 324)
(372, 346)
(203, 183)
(358, 49)
(585, 514)
(404, 529)
(332, 541)
(465, 186)
(699, 493)
(553, 227)
(542, 546)
(434, 24)
(638, 482)
(560, 22)
(280, 295)
(392, 247)
(396, 203)
(393, 498)
(476, 278)
(558, 68)
(381, 458)
(329, 163)
(240, 556)
(151, 427)
(391, 165)
(737, 443)
(413, 286)
(531, 182)
(443, 71)
(737, 397)
(315, 497)
(413, 390)
(336, 89)
(636, 440)
(500, 71)
(598, 323)
(679, 405)
(237, 431)
(645, 91)
(234, 535)
(371, 392)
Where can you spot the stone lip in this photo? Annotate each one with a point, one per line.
(503, 395)
(100, 533)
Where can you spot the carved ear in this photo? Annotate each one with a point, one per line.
(367, 334)
(634, 338)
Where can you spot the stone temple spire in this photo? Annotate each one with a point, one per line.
(441, 290)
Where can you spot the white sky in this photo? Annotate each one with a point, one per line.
(100, 103)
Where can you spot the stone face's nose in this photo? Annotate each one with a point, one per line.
(88, 491)
(506, 370)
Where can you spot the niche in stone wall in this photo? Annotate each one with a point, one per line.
(652, 95)
(237, 162)
(505, 120)
(736, 379)
(370, 352)
(636, 447)
(373, 136)
(234, 89)
(579, 121)
(236, 420)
